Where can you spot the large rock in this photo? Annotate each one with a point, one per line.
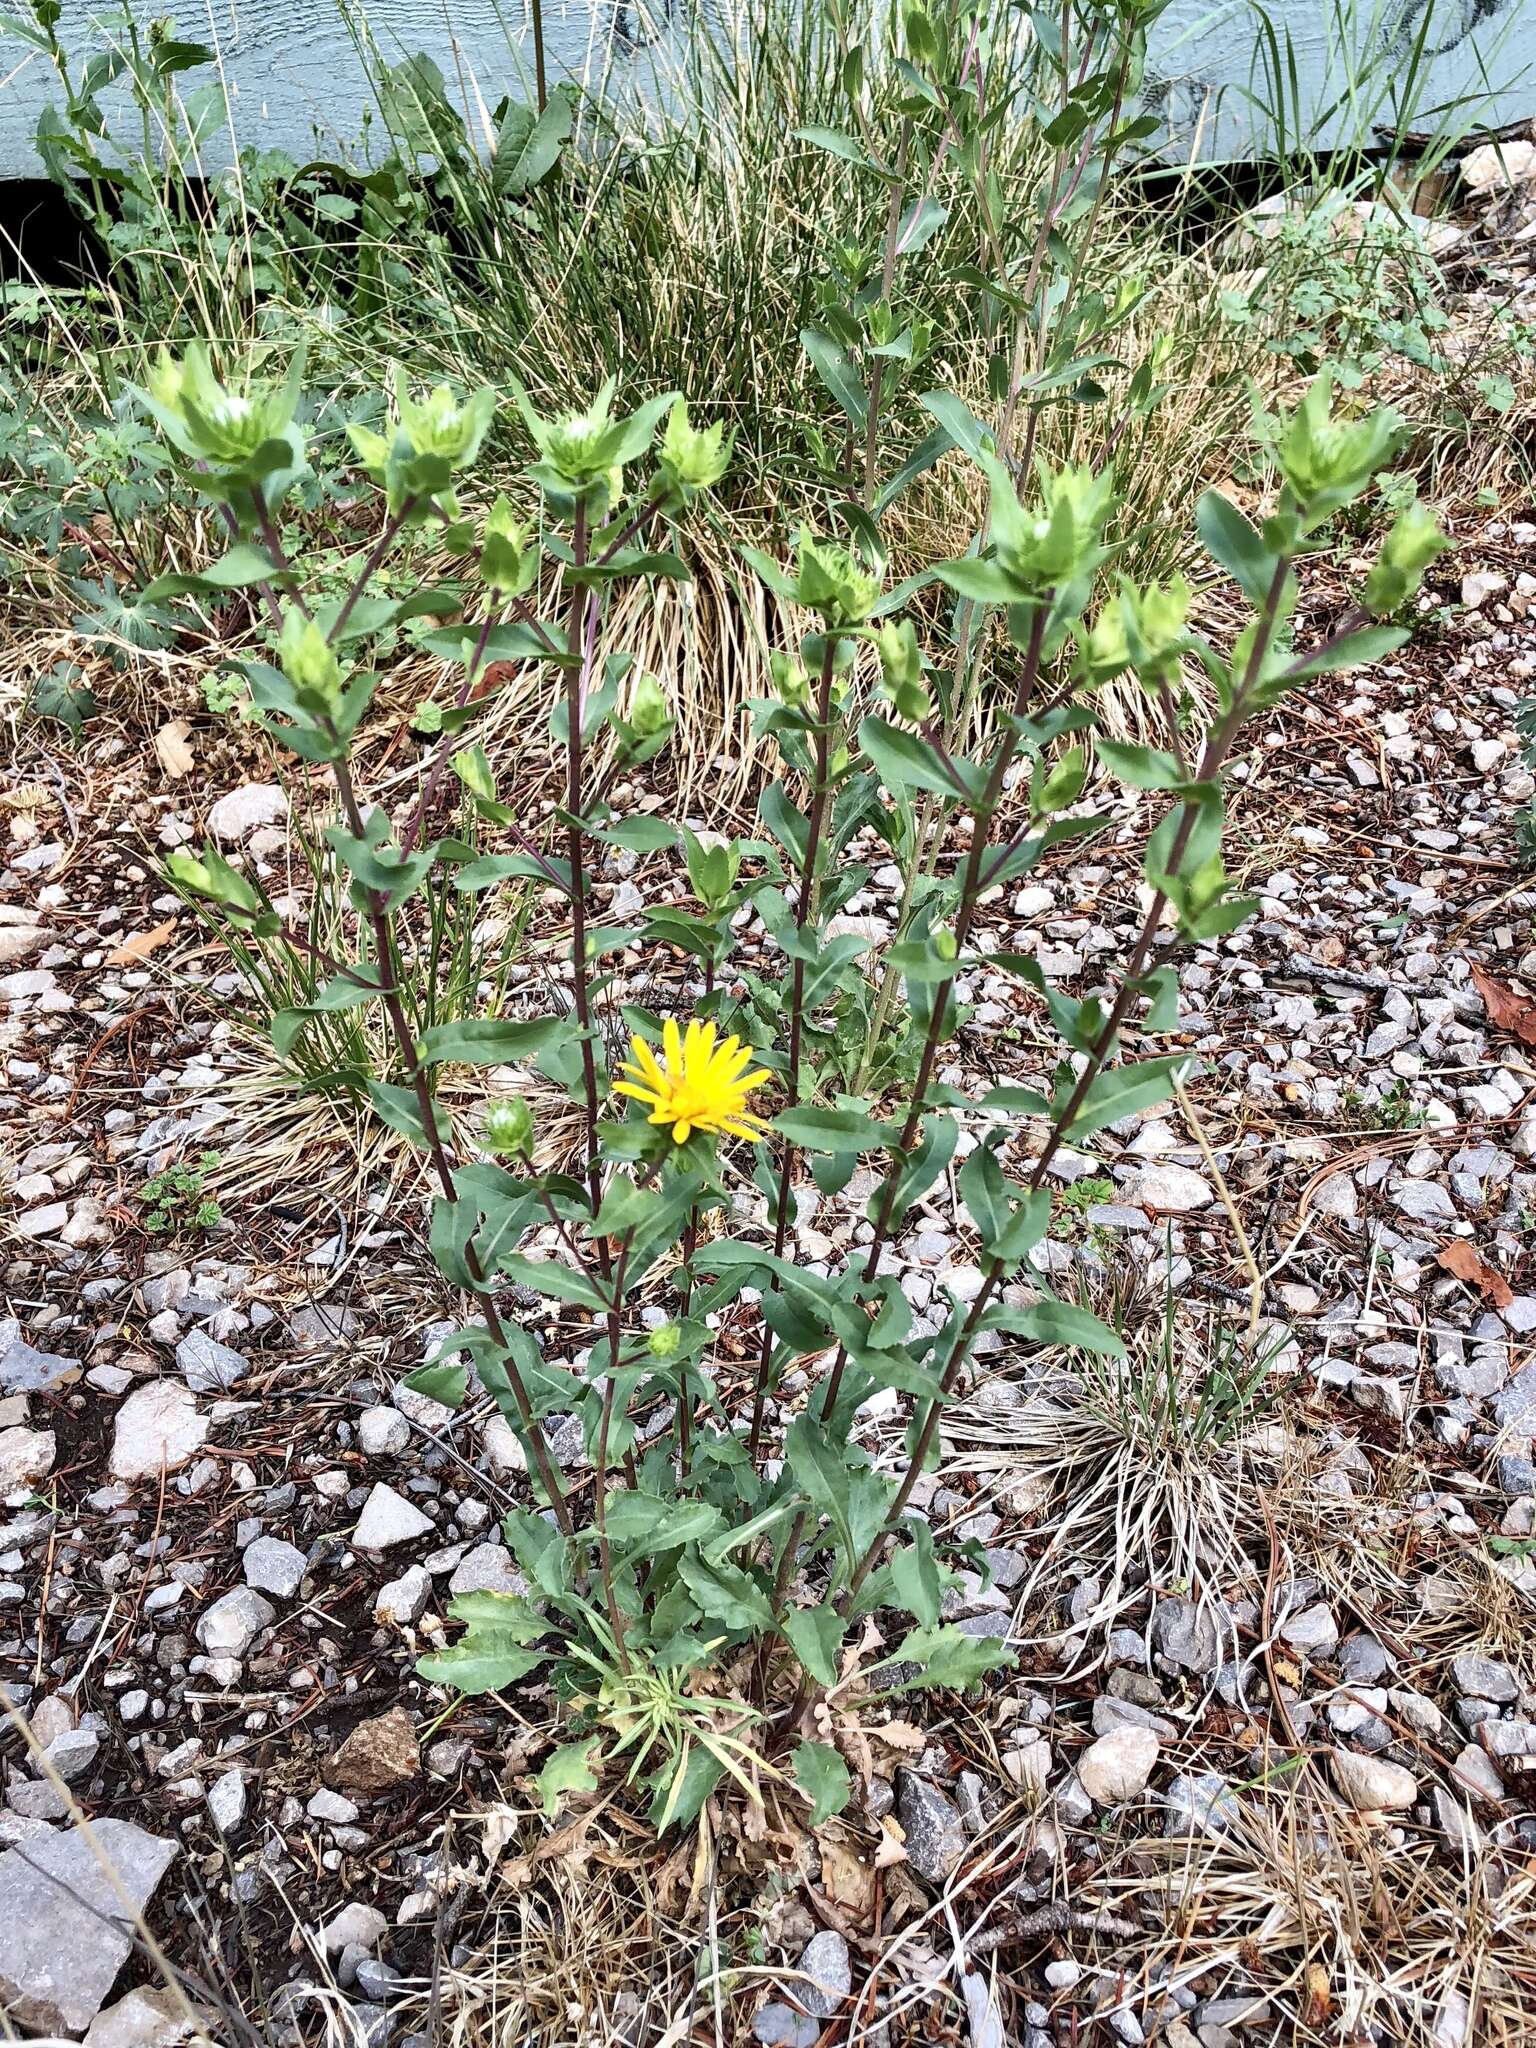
(26, 1456)
(388, 1518)
(148, 2018)
(241, 810)
(159, 1426)
(208, 1366)
(1116, 1767)
(935, 1834)
(1373, 1785)
(378, 1755)
(24, 1370)
(61, 1939)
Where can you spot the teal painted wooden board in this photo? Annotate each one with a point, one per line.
(294, 75)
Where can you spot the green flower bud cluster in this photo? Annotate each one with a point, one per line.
(901, 669)
(1327, 462)
(1406, 553)
(1056, 540)
(309, 663)
(692, 458)
(434, 438)
(508, 1127)
(211, 423)
(832, 583)
(665, 1342)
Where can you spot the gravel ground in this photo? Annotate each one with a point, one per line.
(1292, 1636)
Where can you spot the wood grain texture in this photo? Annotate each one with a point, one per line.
(294, 75)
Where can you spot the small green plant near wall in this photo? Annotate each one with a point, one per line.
(173, 1200)
(692, 1598)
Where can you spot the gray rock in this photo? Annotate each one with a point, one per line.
(1167, 1189)
(207, 1366)
(487, 1569)
(383, 1432)
(404, 1599)
(1116, 1768)
(780, 2026)
(1425, 1201)
(226, 1802)
(157, 1429)
(272, 1566)
(1362, 1660)
(61, 1939)
(388, 1518)
(1313, 1631)
(825, 1961)
(1517, 1403)
(935, 1833)
(25, 1371)
(73, 1752)
(1485, 1678)
(232, 1624)
(1200, 1802)
(1186, 1635)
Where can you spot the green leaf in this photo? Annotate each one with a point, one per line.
(1233, 540)
(915, 1578)
(445, 1383)
(946, 1657)
(680, 1788)
(241, 569)
(568, 1770)
(836, 369)
(528, 143)
(637, 1519)
(1355, 650)
(905, 761)
(549, 1276)
(400, 1110)
(489, 1041)
(1057, 1322)
(726, 1593)
(823, 1777)
(830, 1130)
(1120, 1091)
(835, 142)
(815, 1634)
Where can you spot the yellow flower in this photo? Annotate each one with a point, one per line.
(697, 1085)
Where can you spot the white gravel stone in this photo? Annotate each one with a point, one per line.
(233, 1623)
(383, 1432)
(158, 1427)
(1116, 1768)
(1166, 1189)
(1372, 1784)
(242, 810)
(389, 1518)
(404, 1599)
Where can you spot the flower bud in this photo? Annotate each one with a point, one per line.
(649, 713)
(505, 565)
(1406, 553)
(901, 669)
(440, 425)
(831, 582)
(665, 1342)
(692, 459)
(308, 661)
(508, 1126)
(789, 679)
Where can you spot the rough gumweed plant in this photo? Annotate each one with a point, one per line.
(689, 1601)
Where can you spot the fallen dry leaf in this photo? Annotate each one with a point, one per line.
(1459, 1258)
(141, 945)
(899, 1735)
(171, 749)
(1508, 1010)
(846, 1878)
